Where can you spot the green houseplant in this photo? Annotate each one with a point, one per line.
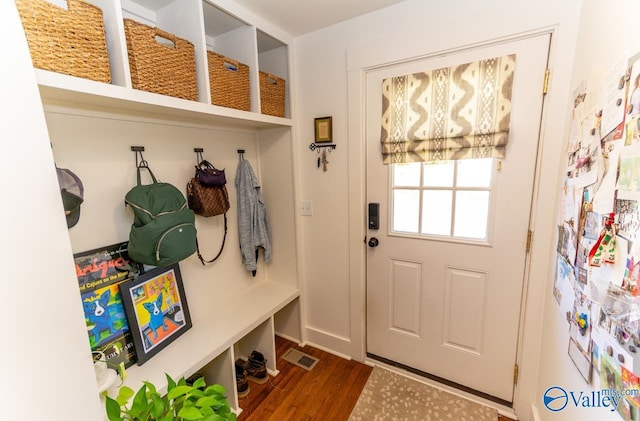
(196, 402)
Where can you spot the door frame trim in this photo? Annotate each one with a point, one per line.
(543, 209)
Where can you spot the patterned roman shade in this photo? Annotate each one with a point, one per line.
(456, 112)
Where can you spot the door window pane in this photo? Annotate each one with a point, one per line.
(438, 174)
(475, 172)
(436, 212)
(472, 210)
(445, 199)
(405, 210)
(406, 175)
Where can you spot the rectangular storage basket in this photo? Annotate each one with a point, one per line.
(272, 90)
(158, 67)
(70, 41)
(229, 82)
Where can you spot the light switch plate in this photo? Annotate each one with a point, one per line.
(307, 208)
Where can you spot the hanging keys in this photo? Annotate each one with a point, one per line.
(324, 161)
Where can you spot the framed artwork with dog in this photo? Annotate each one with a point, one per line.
(156, 308)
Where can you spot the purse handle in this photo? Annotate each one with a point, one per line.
(202, 259)
(206, 164)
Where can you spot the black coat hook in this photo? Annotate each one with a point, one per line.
(199, 157)
(140, 161)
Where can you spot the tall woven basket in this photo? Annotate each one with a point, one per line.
(158, 67)
(70, 41)
(229, 82)
(272, 90)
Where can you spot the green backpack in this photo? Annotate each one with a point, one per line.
(163, 230)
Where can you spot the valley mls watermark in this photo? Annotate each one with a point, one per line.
(556, 398)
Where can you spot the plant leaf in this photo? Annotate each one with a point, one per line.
(178, 391)
(208, 401)
(124, 394)
(168, 417)
(197, 393)
(139, 402)
(158, 406)
(206, 410)
(215, 388)
(190, 413)
(200, 382)
(170, 383)
(113, 409)
(151, 387)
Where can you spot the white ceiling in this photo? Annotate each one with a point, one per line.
(298, 17)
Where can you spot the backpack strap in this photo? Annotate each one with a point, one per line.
(153, 177)
(202, 259)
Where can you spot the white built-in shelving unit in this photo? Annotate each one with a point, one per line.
(92, 124)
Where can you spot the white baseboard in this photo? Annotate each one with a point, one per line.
(290, 338)
(328, 342)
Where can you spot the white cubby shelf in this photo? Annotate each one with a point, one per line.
(220, 334)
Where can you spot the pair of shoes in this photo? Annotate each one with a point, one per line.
(256, 368)
(242, 385)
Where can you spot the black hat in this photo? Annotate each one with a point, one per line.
(72, 192)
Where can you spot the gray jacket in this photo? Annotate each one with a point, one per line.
(253, 226)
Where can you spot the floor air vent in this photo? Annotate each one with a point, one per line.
(300, 359)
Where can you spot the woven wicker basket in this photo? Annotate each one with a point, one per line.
(157, 67)
(229, 82)
(271, 94)
(69, 41)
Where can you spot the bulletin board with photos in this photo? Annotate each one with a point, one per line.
(598, 251)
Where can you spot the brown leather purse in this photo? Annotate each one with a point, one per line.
(207, 201)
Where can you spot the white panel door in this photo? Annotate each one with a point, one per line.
(444, 283)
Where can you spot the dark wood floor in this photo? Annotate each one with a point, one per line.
(328, 392)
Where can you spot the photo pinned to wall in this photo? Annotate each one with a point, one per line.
(582, 265)
(156, 307)
(100, 272)
(628, 218)
(584, 142)
(614, 92)
(629, 406)
(628, 185)
(632, 119)
(567, 242)
(580, 335)
(631, 280)
(581, 321)
(593, 225)
(564, 284)
(613, 360)
(581, 359)
(605, 194)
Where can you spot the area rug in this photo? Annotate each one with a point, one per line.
(390, 396)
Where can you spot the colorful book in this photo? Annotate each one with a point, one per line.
(99, 273)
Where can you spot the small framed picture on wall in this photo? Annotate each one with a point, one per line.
(323, 130)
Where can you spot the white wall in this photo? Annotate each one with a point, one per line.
(45, 360)
(608, 31)
(328, 63)
(46, 357)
